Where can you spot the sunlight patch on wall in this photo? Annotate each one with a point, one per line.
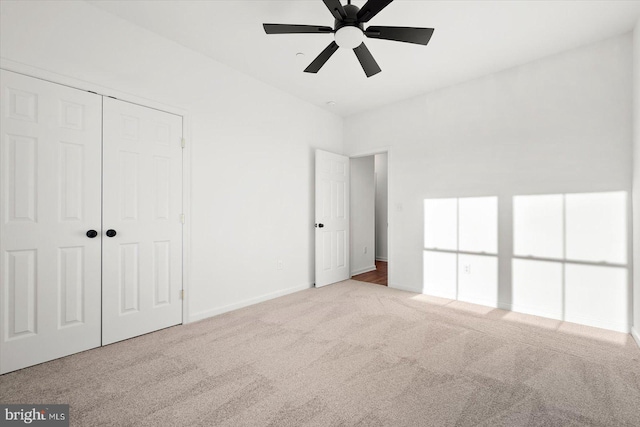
(538, 226)
(478, 279)
(569, 259)
(440, 277)
(597, 227)
(441, 224)
(478, 224)
(460, 247)
(597, 296)
(570, 256)
(537, 288)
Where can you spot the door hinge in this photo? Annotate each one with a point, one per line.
(182, 218)
(183, 143)
(181, 294)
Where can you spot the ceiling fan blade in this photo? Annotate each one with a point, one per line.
(324, 56)
(295, 29)
(371, 9)
(336, 9)
(369, 65)
(401, 34)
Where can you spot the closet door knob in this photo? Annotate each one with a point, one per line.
(92, 233)
(111, 233)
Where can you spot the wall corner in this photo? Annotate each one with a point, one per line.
(636, 183)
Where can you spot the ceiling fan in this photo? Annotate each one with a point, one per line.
(349, 33)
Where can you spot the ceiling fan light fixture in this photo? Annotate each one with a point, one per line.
(349, 33)
(349, 37)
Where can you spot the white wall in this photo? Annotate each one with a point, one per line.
(636, 181)
(362, 215)
(381, 206)
(560, 126)
(251, 145)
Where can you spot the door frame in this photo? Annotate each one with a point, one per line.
(382, 150)
(74, 83)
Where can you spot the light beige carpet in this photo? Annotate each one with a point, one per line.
(350, 354)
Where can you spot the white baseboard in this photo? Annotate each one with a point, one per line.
(636, 335)
(588, 321)
(405, 288)
(226, 308)
(383, 259)
(439, 294)
(481, 301)
(363, 270)
(603, 324)
(529, 310)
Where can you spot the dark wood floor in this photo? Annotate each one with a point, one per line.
(377, 276)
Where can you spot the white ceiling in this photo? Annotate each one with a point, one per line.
(471, 39)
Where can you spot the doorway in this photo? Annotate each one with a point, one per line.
(369, 221)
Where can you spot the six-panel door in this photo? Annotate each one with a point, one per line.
(50, 194)
(142, 205)
(54, 251)
(332, 218)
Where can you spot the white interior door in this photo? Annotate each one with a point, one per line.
(332, 218)
(50, 193)
(142, 203)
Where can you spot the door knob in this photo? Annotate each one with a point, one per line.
(92, 233)
(320, 225)
(111, 232)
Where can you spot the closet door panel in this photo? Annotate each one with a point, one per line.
(50, 183)
(142, 203)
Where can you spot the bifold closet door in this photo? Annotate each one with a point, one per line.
(142, 206)
(50, 194)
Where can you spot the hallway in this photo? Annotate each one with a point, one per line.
(377, 276)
